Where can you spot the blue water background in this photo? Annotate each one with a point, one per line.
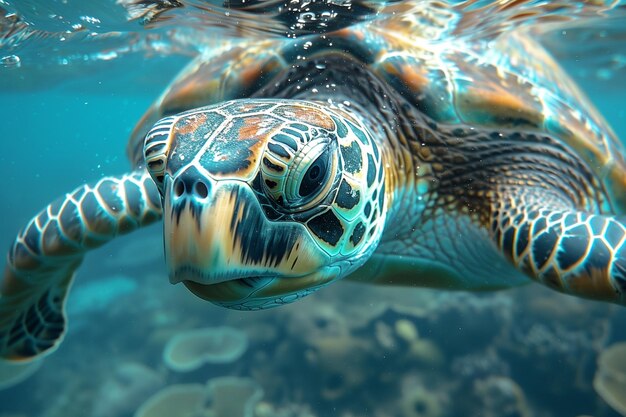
(58, 136)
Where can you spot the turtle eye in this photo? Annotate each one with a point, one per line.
(315, 176)
(304, 180)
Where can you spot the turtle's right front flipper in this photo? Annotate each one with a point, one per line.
(45, 255)
(564, 248)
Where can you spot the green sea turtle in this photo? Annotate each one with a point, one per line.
(400, 150)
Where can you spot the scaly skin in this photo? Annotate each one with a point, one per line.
(395, 152)
(241, 232)
(42, 261)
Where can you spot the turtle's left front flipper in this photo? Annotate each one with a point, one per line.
(575, 252)
(45, 255)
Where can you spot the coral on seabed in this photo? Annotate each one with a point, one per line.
(233, 397)
(417, 401)
(339, 353)
(190, 349)
(406, 330)
(265, 409)
(479, 365)
(122, 392)
(219, 397)
(182, 400)
(501, 397)
(341, 363)
(311, 324)
(610, 379)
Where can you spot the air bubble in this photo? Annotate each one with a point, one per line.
(90, 19)
(11, 61)
(106, 56)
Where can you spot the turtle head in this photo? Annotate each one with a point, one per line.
(265, 201)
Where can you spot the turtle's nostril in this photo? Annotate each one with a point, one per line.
(201, 189)
(190, 184)
(179, 187)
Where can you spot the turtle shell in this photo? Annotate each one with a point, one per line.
(503, 81)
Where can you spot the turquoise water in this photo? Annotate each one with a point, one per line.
(349, 350)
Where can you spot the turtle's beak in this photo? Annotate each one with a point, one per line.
(215, 231)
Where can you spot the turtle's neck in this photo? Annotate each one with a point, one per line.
(340, 80)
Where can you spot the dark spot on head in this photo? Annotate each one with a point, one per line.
(278, 150)
(299, 126)
(327, 227)
(286, 140)
(155, 164)
(342, 131)
(347, 197)
(371, 170)
(357, 234)
(358, 132)
(294, 133)
(352, 158)
(272, 165)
